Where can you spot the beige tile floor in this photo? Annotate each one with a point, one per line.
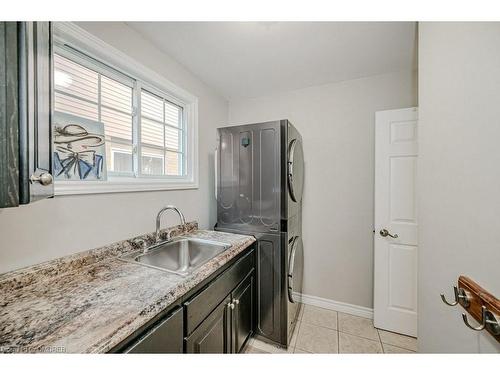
(325, 331)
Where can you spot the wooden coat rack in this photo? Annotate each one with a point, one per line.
(483, 306)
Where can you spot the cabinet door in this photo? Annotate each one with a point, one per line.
(213, 335)
(35, 117)
(9, 132)
(166, 337)
(243, 313)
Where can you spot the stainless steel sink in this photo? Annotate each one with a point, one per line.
(180, 256)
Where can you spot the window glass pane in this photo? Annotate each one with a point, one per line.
(74, 79)
(151, 106)
(117, 124)
(152, 132)
(116, 95)
(173, 164)
(172, 114)
(74, 106)
(172, 138)
(165, 133)
(152, 161)
(119, 157)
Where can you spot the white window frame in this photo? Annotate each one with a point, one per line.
(71, 36)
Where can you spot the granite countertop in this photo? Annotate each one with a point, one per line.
(91, 301)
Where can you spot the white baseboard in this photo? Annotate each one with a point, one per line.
(364, 312)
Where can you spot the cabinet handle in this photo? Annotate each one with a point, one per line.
(230, 305)
(236, 301)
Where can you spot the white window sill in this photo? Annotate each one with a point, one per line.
(120, 185)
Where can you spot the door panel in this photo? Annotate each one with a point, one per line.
(213, 335)
(403, 178)
(402, 277)
(243, 313)
(395, 289)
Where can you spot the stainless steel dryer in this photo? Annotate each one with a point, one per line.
(259, 183)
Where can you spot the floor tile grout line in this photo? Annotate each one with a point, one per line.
(380, 340)
(318, 326)
(361, 337)
(397, 346)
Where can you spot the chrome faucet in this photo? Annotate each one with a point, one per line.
(158, 218)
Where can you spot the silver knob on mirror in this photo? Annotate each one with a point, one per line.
(384, 233)
(44, 178)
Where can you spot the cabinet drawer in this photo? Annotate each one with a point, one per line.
(166, 337)
(200, 306)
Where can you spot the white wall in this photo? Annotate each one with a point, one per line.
(64, 225)
(337, 125)
(459, 176)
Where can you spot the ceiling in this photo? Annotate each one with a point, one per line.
(251, 59)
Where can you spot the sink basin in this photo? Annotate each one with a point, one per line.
(180, 256)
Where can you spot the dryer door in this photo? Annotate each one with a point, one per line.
(295, 170)
(295, 268)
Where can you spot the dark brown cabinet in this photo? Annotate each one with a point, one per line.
(9, 113)
(242, 313)
(229, 326)
(25, 112)
(213, 335)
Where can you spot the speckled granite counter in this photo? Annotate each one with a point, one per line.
(91, 301)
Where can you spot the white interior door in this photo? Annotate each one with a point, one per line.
(395, 241)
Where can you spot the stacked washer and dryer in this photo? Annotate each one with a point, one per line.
(259, 175)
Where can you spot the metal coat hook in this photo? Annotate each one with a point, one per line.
(460, 294)
(487, 318)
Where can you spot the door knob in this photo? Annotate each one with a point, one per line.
(44, 178)
(384, 233)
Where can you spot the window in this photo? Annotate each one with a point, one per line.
(150, 132)
(161, 135)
